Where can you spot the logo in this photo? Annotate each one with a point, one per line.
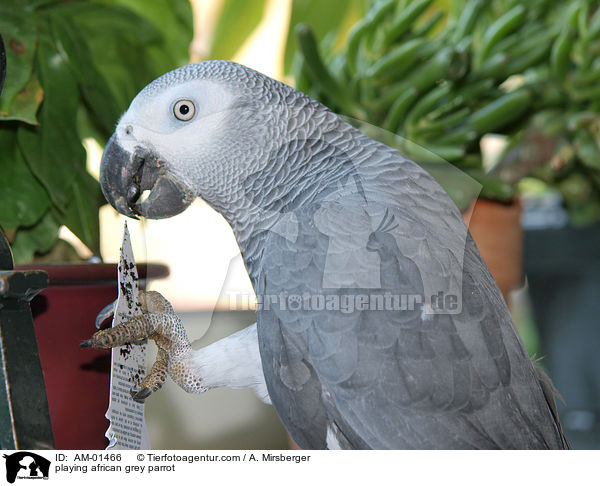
(26, 465)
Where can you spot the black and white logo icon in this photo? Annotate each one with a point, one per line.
(26, 465)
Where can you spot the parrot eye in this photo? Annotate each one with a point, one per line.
(184, 110)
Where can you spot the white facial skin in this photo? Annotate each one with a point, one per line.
(151, 122)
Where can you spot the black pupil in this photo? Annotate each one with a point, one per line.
(184, 109)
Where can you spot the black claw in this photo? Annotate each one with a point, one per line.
(86, 344)
(141, 395)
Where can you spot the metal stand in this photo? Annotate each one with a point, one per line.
(24, 416)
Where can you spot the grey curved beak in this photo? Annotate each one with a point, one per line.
(124, 176)
(168, 197)
(116, 177)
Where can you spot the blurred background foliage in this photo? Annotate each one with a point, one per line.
(72, 69)
(445, 75)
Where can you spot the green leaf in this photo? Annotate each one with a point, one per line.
(118, 40)
(576, 189)
(492, 187)
(323, 17)
(19, 33)
(94, 89)
(23, 200)
(87, 126)
(81, 215)
(587, 149)
(461, 188)
(237, 21)
(39, 238)
(71, 61)
(584, 214)
(25, 105)
(53, 150)
(34, 4)
(174, 20)
(108, 17)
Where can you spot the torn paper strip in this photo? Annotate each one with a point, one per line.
(127, 429)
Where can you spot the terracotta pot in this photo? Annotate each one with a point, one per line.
(77, 380)
(496, 229)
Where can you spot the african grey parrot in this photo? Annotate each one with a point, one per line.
(347, 245)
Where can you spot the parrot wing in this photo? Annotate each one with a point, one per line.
(393, 377)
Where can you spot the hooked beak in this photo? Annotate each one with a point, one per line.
(124, 176)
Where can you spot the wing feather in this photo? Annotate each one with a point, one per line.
(394, 378)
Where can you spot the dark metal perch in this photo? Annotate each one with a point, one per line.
(24, 415)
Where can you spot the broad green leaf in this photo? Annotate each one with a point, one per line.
(174, 19)
(25, 105)
(2, 66)
(128, 71)
(53, 150)
(110, 18)
(87, 126)
(39, 238)
(118, 40)
(81, 215)
(73, 57)
(19, 32)
(96, 93)
(31, 5)
(23, 200)
(323, 17)
(237, 21)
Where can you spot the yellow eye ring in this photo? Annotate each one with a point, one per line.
(184, 110)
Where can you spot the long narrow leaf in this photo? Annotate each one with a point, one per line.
(81, 215)
(237, 21)
(23, 199)
(53, 149)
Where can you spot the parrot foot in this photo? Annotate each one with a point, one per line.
(154, 380)
(131, 331)
(159, 323)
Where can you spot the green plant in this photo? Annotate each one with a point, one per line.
(445, 76)
(72, 69)
(237, 20)
(570, 123)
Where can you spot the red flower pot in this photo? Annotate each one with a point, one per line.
(77, 380)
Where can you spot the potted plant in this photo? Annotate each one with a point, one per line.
(71, 70)
(443, 79)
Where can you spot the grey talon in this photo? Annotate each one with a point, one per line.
(105, 313)
(141, 395)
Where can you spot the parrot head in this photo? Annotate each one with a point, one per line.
(187, 134)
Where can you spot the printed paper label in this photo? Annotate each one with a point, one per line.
(127, 429)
